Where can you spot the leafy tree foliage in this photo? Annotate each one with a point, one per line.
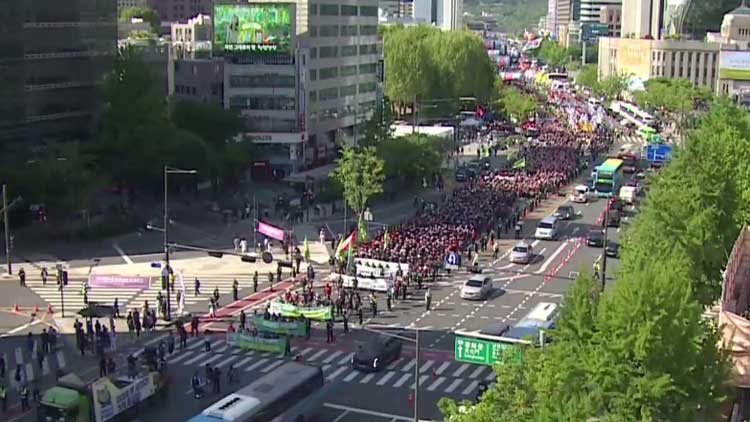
(553, 55)
(422, 63)
(611, 86)
(588, 77)
(360, 173)
(378, 128)
(145, 13)
(517, 104)
(642, 350)
(407, 159)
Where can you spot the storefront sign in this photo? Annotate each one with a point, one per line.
(274, 138)
(119, 281)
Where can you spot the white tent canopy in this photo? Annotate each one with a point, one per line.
(405, 130)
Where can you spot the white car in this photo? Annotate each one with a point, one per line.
(547, 229)
(581, 194)
(477, 287)
(521, 253)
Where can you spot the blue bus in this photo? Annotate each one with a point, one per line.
(608, 177)
(292, 392)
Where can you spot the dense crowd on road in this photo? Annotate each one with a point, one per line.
(489, 205)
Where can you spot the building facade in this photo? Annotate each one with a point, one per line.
(551, 23)
(53, 58)
(180, 10)
(612, 17)
(645, 59)
(396, 8)
(568, 11)
(452, 15)
(122, 4)
(591, 9)
(643, 18)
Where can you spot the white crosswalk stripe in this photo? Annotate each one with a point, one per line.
(401, 381)
(436, 384)
(385, 378)
(73, 298)
(272, 366)
(257, 364)
(351, 376)
(471, 387)
(332, 356)
(453, 386)
(337, 373)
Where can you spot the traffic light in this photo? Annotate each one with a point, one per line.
(65, 278)
(248, 259)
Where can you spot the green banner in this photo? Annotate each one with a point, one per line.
(288, 310)
(245, 341)
(292, 328)
(483, 352)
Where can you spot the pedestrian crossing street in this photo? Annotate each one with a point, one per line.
(446, 377)
(27, 363)
(129, 298)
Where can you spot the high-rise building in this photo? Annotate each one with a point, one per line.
(568, 11)
(424, 11)
(551, 23)
(396, 8)
(452, 14)
(591, 9)
(612, 17)
(642, 18)
(53, 58)
(180, 10)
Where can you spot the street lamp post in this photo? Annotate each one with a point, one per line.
(167, 171)
(414, 340)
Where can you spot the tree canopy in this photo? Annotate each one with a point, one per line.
(642, 349)
(409, 158)
(611, 86)
(142, 12)
(516, 104)
(360, 173)
(554, 55)
(422, 63)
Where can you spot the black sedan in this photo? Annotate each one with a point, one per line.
(612, 250)
(377, 353)
(613, 218)
(595, 239)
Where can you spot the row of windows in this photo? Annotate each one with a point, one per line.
(349, 110)
(344, 31)
(242, 102)
(678, 57)
(344, 51)
(343, 10)
(344, 91)
(267, 80)
(343, 71)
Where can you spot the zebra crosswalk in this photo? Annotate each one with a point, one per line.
(447, 377)
(28, 365)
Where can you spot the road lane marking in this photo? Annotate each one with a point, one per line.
(122, 253)
(242, 363)
(306, 351)
(442, 368)
(385, 378)
(351, 376)
(195, 359)
(341, 416)
(426, 366)
(336, 373)
(551, 258)
(436, 384)
(491, 376)
(409, 365)
(401, 381)
(22, 327)
(394, 418)
(226, 361)
(272, 366)
(422, 380)
(453, 386)
(468, 389)
(211, 360)
(367, 378)
(332, 356)
(461, 370)
(346, 359)
(256, 364)
(477, 372)
(318, 355)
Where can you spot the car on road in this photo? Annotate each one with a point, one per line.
(595, 238)
(565, 212)
(581, 194)
(377, 353)
(461, 174)
(521, 253)
(612, 250)
(477, 287)
(613, 218)
(547, 228)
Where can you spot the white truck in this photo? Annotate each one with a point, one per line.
(628, 194)
(582, 194)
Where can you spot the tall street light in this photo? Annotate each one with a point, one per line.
(167, 270)
(416, 366)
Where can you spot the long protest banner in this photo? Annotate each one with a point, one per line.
(262, 344)
(322, 313)
(292, 328)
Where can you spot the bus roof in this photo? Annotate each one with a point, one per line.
(60, 397)
(540, 318)
(274, 385)
(611, 165)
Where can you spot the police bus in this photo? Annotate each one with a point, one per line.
(292, 392)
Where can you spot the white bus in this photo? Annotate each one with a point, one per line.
(631, 113)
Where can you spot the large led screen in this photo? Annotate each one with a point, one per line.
(255, 28)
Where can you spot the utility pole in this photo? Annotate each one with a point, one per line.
(166, 243)
(583, 54)
(416, 377)
(603, 274)
(255, 221)
(7, 229)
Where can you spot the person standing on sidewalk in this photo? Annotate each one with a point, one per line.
(427, 299)
(270, 280)
(24, 396)
(235, 289)
(197, 287)
(243, 320)
(329, 331)
(255, 281)
(44, 275)
(22, 277)
(4, 398)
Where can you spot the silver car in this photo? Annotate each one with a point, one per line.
(521, 253)
(477, 287)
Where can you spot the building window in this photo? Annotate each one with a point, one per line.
(328, 52)
(313, 74)
(329, 10)
(349, 30)
(367, 87)
(328, 73)
(368, 11)
(313, 31)
(369, 68)
(347, 10)
(368, 29)
(348, 70)
(313, 96)
(266, 80)
(266, 102)
(347, 91)
(368, 49)
(328, 94)
(313, 10)
(329, 31)
(313, 53)
(348, 51)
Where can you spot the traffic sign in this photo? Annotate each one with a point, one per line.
(452, 261)
(482, 352)
(156, 265)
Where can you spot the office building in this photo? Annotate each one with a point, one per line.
(612, 17)
(568, 11)
(643, 18)
(591, 9)
(122, 4)
(452, 14)
(180, 10)
(396, 8)
(425, 11)
(192, 40)
(53, 58)
(550, 23)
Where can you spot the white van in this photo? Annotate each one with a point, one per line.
(581, 194)
(546, 229)
(628, 194)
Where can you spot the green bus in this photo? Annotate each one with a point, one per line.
(608, 177)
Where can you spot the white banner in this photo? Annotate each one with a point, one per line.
(376, 284)
(389, 268)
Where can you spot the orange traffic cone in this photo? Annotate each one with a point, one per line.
(50, 310)
(16, 308)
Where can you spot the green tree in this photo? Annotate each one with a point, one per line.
(517, 104)
(553, 55)
(361, 173)
(410, 158)
(409, 68)
(613, 85)
(145, 13)
(379, 127)
(589, 77)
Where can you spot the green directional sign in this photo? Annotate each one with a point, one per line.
(482, 352)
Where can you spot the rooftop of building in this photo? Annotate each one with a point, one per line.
(743, 10)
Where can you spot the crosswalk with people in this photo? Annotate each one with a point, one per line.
(25, 366)
(447, 377)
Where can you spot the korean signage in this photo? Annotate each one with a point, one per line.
(119, 281)
(482, 352)
(592, 31)
(274, 138)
